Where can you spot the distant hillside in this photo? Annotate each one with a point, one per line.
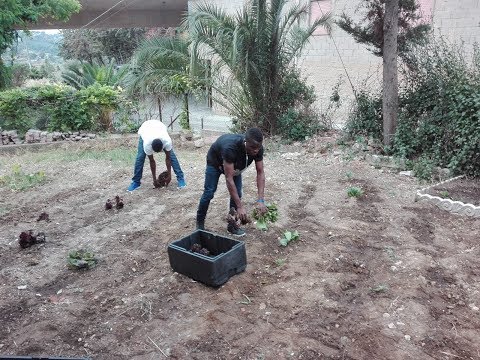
(38, 47)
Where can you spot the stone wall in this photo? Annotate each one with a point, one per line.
(10, 137)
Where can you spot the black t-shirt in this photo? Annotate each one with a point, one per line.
(231, 148)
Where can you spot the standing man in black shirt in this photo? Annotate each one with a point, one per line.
(231, 154)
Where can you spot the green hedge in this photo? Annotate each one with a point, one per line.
(59, 108)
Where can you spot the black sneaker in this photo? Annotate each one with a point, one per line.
(236, 231)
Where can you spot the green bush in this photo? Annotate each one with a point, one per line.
(439, 115)
(59, 108)
(295, 125)
(423, 168)
(296, 116)
(15, 109)
(64, 108)
(439, 109)
(366, 117)
(5, 76)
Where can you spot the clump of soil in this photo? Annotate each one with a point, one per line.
(108, 204)
(234, 221)
(27, 239)
(197, 248)
(43, 216)
(118, 202)
(162, 179)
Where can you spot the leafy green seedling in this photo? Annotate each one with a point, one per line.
(280, 262)
(247, 300)
(354, 192)
(444, 194)
(289, 236)
(391, 253)
(270, 216)
(349, 175)
(380, 289)
(81, 259)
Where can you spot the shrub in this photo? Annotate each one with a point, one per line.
(15, 110)
(423, 168)
(59, 108)
(296, 116)
(64, 108)
(440, 108)
(366, 117)
(295, 125)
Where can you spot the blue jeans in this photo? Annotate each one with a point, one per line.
(212, 174)
(140, 161)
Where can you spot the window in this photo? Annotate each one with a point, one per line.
(319, 8)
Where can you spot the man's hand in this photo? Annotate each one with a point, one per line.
(156, 184)
(261, 208)
(242, 214)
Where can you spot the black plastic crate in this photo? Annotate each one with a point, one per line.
(228, 257)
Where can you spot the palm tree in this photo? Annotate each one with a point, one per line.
(160, 67)
(251, 51)
(81, 75)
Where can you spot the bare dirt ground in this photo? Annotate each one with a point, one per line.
(381, 277)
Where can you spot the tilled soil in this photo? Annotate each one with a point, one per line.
(464, 190)
(379, 277)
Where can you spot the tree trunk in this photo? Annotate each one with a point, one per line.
(187, 113)
(390, 73)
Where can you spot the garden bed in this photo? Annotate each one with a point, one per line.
(464, 190)
(457, 195)
(378, 277)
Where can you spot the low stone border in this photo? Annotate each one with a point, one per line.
(456, 207)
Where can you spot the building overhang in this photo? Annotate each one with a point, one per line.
(121, 14)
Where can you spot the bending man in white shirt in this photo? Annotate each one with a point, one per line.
(153, 139)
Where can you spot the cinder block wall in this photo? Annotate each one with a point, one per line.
(322, 59)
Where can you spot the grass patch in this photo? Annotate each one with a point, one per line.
(18, 180)
(121, 155)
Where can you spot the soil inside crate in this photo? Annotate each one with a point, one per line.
(464, 190)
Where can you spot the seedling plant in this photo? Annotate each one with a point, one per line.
(270, 216)
(81, 259)
(354, 192)
(288, 237)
